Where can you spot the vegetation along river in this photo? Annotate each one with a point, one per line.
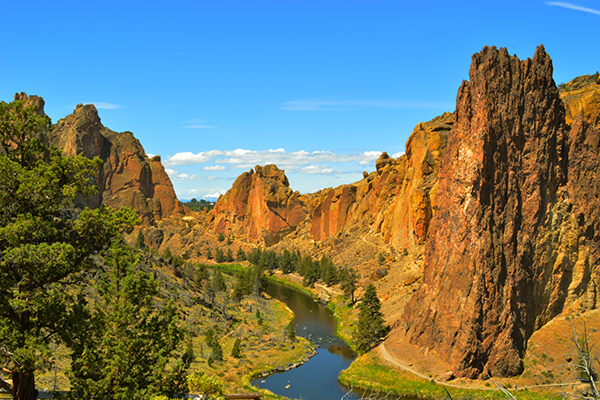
(317, 378)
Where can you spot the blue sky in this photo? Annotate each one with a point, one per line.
(319, 88)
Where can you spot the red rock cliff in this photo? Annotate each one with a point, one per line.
(128, 177)
(506, 250)
(396, 200)
(260, 206)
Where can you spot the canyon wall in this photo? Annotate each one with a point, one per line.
(396, 200)
(509, 247)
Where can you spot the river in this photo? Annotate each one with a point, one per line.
(316, 379)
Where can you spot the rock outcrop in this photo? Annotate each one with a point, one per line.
(581, 97)
(396, 200)
(260, 206)
(510, 246)
(127, 177)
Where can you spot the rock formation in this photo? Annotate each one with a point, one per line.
(504, 195)
(395, 201)
(260, 206)
(127, 177)
(508, 248)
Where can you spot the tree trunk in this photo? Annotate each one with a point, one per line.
(24, 386)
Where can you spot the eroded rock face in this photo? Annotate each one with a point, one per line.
(396, 200)
(505, 252)
(127, 177)
(260, 206)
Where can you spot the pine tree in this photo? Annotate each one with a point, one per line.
(229, 256)
(240, 255)
(45, 244)
(290, 331)
(348, 278)
(371, 325)
(219, 256)
(236, 351)
(124, 346)
(217, 351)
(219, 282)
(209, 337)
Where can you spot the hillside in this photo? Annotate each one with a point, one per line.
(128, 177)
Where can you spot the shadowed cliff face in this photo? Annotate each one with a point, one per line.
(505, 251)
(127, 177)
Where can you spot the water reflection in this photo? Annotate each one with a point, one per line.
(344, 351)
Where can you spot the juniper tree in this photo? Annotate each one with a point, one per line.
(348, 278)
(217, 351)
(125, 347)
(45, 244)
(371, 325)
(236, 350)
(290, 331)
(219, 282)
(240, 255)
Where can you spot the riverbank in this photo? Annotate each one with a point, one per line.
(277, 354)
(405, 370)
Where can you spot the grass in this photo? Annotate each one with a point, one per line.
(345, 318)
(367, 373)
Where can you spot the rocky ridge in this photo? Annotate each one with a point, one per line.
(260, 206)
(395, 201)
(127, 177)
(508, 249)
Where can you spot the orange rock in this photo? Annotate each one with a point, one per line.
(127, 177)
(259, 206)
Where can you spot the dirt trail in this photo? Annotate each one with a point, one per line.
(383, 353)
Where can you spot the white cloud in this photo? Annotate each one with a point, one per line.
(214, 168)
(398, 154)
(324, 104)
(246, 159)
(187, 158)
(150, 155)
(315, 169)
(216, 193)
(572, 7)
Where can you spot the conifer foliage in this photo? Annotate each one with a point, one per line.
(371, 325)
(45, 244)
(124, 347)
